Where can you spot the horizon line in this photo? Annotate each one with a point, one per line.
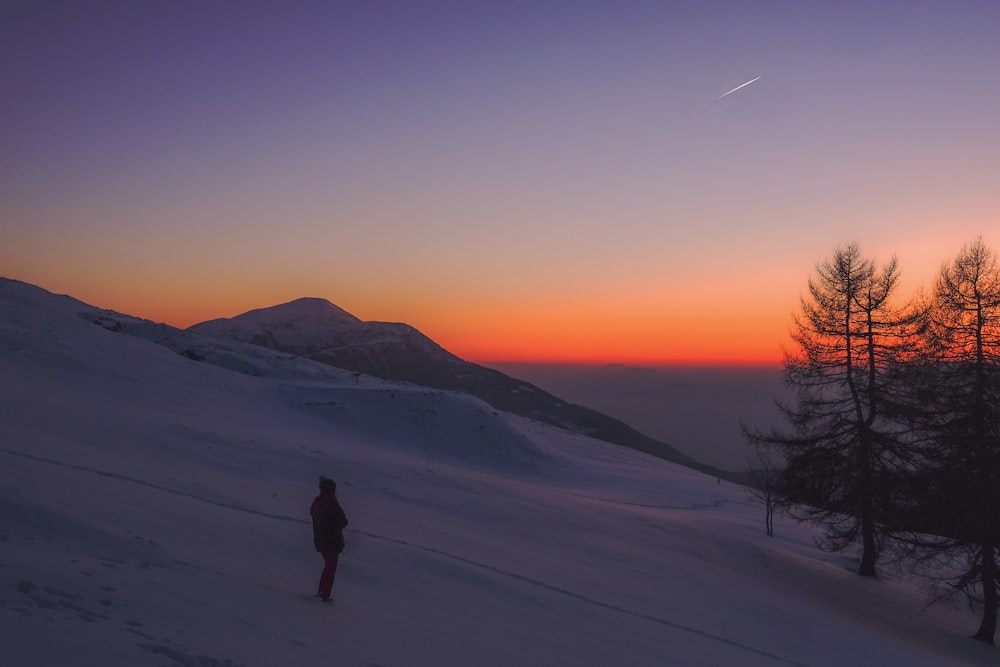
(660, 363)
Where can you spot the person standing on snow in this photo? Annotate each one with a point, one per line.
(328, 521)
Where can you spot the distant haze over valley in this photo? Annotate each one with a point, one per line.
(695, 409)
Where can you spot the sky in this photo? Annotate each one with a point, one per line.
(523, 181)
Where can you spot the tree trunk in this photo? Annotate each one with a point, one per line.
(869, 552)
(769, 518)
(988, 627)
(869, 548)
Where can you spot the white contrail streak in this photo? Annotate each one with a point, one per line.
(738, 87)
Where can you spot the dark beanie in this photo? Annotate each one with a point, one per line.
(327, 484)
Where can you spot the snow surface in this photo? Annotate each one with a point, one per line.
(153, 511)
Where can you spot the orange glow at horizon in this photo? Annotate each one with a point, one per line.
(654, 348)
(733, 315)
(586, 332)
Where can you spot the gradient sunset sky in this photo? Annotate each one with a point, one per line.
(547, 180)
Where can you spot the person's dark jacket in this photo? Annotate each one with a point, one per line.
(329, 521)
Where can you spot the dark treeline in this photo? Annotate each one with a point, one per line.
(892, 435)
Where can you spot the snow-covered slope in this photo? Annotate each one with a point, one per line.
(318, 330)
(153, 511)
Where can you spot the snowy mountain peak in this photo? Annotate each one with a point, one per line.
(304, 326)
(307, 311)
(317, 329)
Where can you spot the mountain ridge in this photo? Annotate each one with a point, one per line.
(390, 351)
(398, 351)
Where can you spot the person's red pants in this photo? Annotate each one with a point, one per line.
(329, 572)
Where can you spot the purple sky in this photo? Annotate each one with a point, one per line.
(510, 177)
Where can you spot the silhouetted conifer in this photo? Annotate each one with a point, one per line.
(841, 450)
(952, 505)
